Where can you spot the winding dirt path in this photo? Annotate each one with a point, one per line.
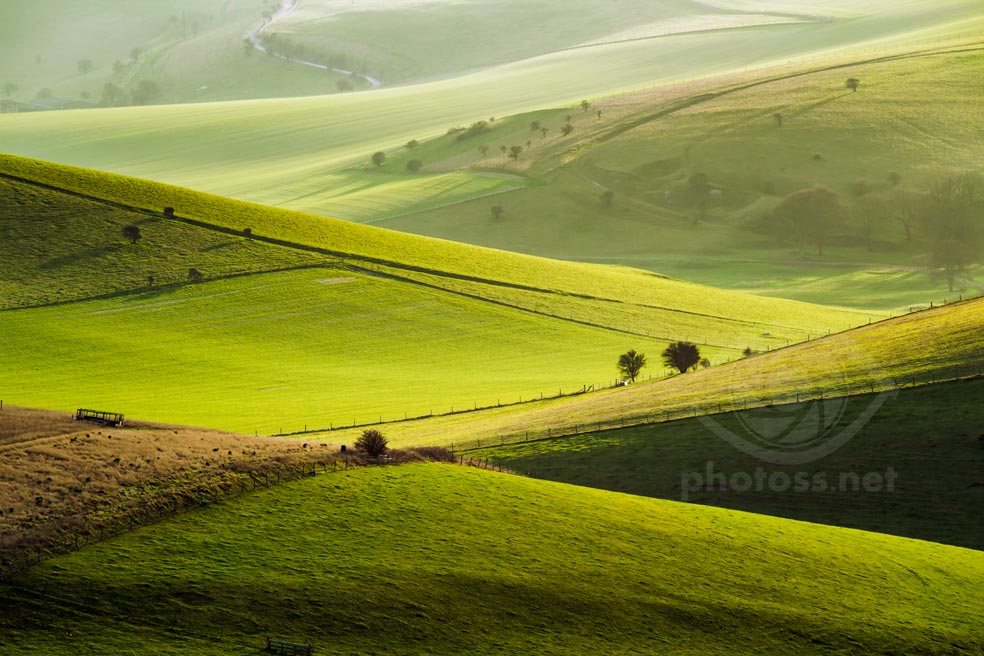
(286, 9)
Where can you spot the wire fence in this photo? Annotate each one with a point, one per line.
(157, 283)
(683, 410)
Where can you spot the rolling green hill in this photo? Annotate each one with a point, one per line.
(310, 153)
(191, 49)
(437, 559)
(319, 348)
(250, 150)
(56, 247)
(930, 437)
(920, 348)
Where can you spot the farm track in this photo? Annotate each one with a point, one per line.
(286, 9)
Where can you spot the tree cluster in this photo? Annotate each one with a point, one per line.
(946, 219)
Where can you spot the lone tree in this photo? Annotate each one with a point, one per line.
(413, 143)
(132, 233)
(585, 105)
(515, 151)
(484, 149)
(630, 364)
(372, 443)
(682, 356)
(496, 211)
(379, 158)
(777, 117)
(852, 83)
(414, 165)
(535, 126)
(567, 129)
(194, 275)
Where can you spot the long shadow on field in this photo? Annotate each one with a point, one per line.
(923, 454)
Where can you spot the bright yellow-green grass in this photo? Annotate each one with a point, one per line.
(311, 348)
(436, 559)
(247, 149)
(921, 347)
(56, 247)
(450, 260)
(372, 195)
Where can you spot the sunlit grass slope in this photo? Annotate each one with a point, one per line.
(641, 302)
(282, 351)
(248, 149)
(443, 560)
(401, 39)
(915, 116)
(940, 343)
(56, 247)
(928, 436)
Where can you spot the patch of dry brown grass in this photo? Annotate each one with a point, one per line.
(60, 478)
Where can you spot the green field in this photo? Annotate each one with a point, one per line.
(298, 283)
(445, 560)
(282, 351)
(241, 149)
(193, 50)
(56, 247)
(920, 348)
(929, 437)
(914, 116)
(288, 351)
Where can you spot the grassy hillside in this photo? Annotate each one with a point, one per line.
(247, 149)
(56, 247)
(922, 347)
(514, 327)
(65, 481)
(289, 350)
(913, 117)
(407, 40)
(436, 559)
(641, 301)
(930, 437)
(192, 50)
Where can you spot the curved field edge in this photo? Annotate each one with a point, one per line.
(443, 559)
(921, 449)
(428, 255)
(932, 345)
